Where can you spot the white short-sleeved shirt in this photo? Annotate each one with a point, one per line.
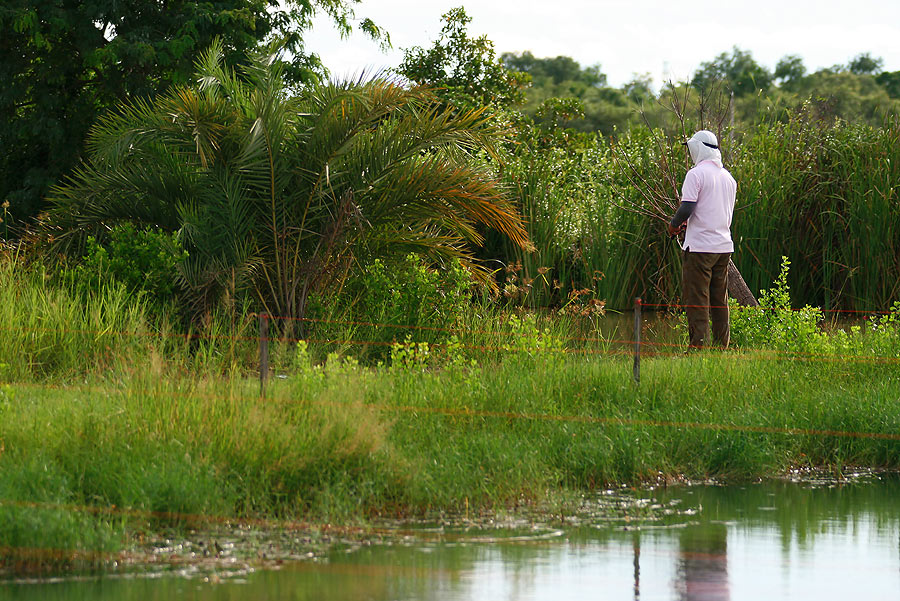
(709, 226)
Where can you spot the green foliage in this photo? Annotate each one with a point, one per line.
(409, 292)
(640, 88)
(528, 338)
(402, 299)
(877, 340)
(63, 64)
(823, 194)
(790, 70)
(143, 260)
(738, 71)
(865, 64)
(815, 189)
(278, 196)
(774, 324)
(51, 330)
(890, 81)
(410, 355)
(857, 98)
(560, 109)
(555, 70)
(845, 92)
(465, 71)
(341, 439)
(563, 89)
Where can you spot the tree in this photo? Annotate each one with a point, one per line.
(466, 69)
(553, 70)
(605, 109)
(890, 81)
(640, 88)
(846, 96)
(279, 195)
(739, 71)
(64, 62)
(865, 64)
(790, 70)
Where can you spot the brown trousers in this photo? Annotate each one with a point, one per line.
(704, 279)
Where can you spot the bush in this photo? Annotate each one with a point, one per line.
(144, 261)
(774, 324)
(878, 339)
(406, 300)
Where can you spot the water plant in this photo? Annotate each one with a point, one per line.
(774, 323)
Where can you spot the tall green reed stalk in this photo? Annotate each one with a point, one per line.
(553, 191)
(824, 195)
(53, 328)
(576, 204)
(819, 192)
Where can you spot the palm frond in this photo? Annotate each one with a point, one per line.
(281, 194)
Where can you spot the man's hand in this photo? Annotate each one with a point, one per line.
(674, 231)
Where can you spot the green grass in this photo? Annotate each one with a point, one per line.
(113, 424)
(820, 193)
(344, 442)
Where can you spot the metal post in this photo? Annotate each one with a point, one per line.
(637, 339)
(263, 353)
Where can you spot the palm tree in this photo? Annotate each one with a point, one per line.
(281, 193)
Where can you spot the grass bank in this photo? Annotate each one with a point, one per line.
(88, 467)
(115, 424)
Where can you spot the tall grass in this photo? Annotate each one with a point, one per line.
(821, 193)
(554, 191)
(573, 201)
(103, 407)
(824, 196)
(46, 330)
(52, 329)
(166, 432)
(339, 442)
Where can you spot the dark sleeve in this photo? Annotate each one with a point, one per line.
(685, 209)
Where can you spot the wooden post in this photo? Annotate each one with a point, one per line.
(637, 339)
(263, 353)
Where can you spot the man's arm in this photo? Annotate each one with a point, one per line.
(685, 210)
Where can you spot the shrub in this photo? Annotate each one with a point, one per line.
(774, 324)
(143, 260)
(878, 338)
(405, 300)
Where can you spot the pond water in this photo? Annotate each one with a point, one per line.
(775, 540)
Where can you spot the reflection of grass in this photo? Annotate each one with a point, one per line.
(344, 442)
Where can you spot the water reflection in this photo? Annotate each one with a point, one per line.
(636, 547)
(703, 564)
(765, 541)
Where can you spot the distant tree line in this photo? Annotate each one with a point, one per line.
(860, 91)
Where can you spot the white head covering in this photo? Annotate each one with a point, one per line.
(704, 146)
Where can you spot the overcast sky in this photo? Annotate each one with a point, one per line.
(666, 39)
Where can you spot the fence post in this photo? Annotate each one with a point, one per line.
(263, 353)
(637, 339)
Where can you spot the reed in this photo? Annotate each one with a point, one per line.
(115, 423)
(823, 195)
(820, 193)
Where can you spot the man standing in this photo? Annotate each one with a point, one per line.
(707, 204)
